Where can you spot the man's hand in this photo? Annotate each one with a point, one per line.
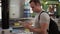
(27, 25)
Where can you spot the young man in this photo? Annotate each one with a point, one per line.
(42, 24)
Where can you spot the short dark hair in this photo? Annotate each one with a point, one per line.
(35, 1)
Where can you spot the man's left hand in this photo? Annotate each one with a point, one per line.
(26, 25)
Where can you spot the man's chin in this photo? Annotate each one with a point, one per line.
(36, 12)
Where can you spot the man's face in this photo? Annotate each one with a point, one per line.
(35, 7)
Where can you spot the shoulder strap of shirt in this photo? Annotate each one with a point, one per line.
(40, 14)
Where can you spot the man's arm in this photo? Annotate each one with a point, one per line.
(26, 25)
(44, 22)
(39, 30)
(42, 29)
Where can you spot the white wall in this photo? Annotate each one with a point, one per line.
(14, 11)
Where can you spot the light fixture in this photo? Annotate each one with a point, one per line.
(46, 2)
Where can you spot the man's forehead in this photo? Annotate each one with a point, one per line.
(32, 4)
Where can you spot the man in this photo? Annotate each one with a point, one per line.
(42, 24)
